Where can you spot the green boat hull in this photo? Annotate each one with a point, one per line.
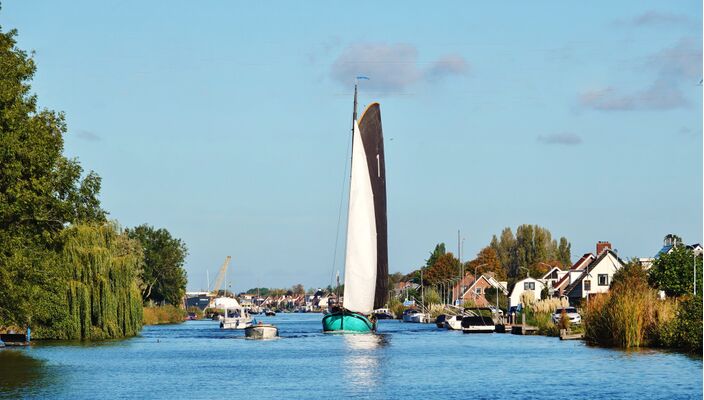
(347, 322)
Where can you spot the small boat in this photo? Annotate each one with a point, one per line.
(269, 313)
(237, 318)
(383, 313)
(478, 320)
(261, 331)
(415, 316)
(454, 322)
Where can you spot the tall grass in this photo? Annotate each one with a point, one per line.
(629, 315)
(167, 314)
(539, 314)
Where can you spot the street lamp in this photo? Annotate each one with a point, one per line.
(475, 278)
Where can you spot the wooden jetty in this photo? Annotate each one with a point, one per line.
(524, 330)
(566, 335)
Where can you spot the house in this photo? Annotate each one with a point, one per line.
(551, 277)
(559, 286)
(596, 277)
(481, 292)
(535, 286)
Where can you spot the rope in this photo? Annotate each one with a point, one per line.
(339, 217)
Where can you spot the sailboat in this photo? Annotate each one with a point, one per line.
(366, 252)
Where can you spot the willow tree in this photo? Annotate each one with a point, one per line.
(102, 294)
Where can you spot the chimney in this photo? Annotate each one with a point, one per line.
(601, 246)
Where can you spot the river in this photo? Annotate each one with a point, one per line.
(197, 360)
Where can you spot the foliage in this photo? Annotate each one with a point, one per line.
(163, 277)
(684, 330)
(674, 272)
(445, 267)
(298, 289)
(168, 314)
(487, 260)
(531, 245)
(629, 314)
(432, 297)
(396, 306)
(539, 314)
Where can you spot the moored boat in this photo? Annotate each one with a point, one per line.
(478, 320)
(454, 322)
(383, 313)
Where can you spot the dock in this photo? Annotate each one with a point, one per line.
(566, 335)
(524, 330)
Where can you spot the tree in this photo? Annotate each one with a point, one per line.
(487, 261)
(435, 254)
(563, 252)
(298, 289)
(163, 277)
(674, 272)
(41, 192)
(446, 267)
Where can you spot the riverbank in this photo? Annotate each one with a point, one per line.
(168, 314)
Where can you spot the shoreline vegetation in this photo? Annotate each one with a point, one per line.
(166, 314)
(66, 271)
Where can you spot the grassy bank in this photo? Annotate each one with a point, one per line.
(157, 315)
(630, 315)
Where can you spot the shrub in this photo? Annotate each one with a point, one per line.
(629, 315)
(168, 314)
(684, 329)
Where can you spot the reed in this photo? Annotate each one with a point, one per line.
(629, 315)
(167, 314)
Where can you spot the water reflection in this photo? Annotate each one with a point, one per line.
(20, 374)
(362, 361)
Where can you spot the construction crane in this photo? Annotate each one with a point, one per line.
(221, 276)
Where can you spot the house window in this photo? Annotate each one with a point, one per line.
(528, 285)
(603, 280)
(587, 285)
(478, 290)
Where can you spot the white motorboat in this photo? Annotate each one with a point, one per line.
(261, 331)
(415, 316)
(454, 322)
(237, 318)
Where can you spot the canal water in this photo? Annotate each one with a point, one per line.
(197, 360)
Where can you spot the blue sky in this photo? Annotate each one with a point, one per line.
(228, 124)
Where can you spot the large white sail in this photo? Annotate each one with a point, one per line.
(360, 260)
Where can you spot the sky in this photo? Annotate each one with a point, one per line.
(228, 123)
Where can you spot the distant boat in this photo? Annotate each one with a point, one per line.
(269, 313)
(236, 316)
(415, 316)
(454, 322)
(366, 258)
(261, 331)
(383, 313)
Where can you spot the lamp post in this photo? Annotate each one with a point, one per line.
(475, 279)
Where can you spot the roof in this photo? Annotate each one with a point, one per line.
(591, 266)
(665, 250)
(550, 272)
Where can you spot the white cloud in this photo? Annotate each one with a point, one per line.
(391, 67)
